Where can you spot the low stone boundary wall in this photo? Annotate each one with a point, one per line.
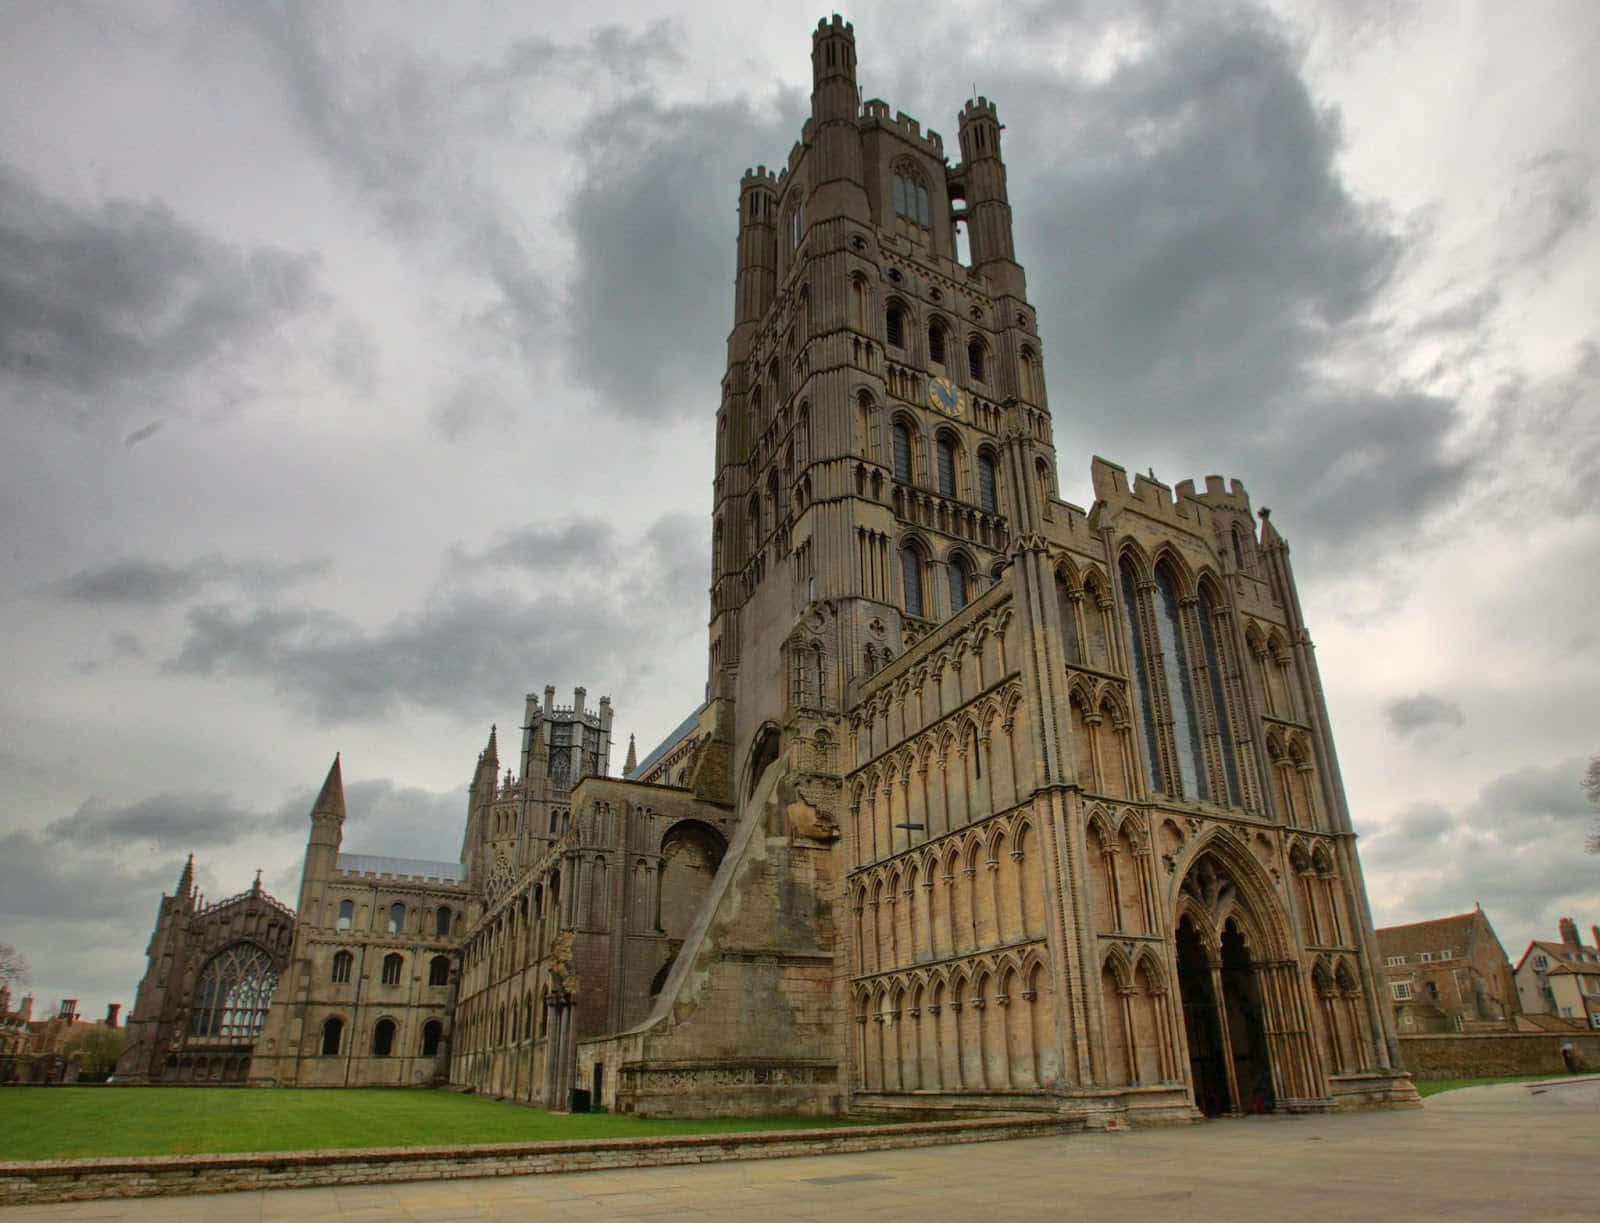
(68, 1180)
(1475, 1054)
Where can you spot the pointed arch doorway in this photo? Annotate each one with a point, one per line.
(1239, 1009)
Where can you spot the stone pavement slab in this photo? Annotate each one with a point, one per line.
(1450, 1159)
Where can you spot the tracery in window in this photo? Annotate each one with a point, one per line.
(911, 201)
(1132, 604)
(392, 965)
(233, 994)
(341, 967)
(1218, 648)
(1180, 692)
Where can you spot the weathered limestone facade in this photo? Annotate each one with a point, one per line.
(994, 802)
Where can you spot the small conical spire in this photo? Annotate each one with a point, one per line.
(633, 759)
(1269, 533)
(492, 752)
(331, 800)
(186, 880)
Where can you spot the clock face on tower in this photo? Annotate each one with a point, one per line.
(944, 396)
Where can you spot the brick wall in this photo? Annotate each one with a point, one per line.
(64, 1180)
(1500, 1053)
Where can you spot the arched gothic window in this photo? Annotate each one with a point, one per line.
(1180, 690)
(397, 918)
(960, 582)
(332, 1033)
(347, 914)
(947, 465)
(1218, 648)
(975, 359)
(233, 994)
(797, 222)
(441, 922)
(987, 496)
(392, 965)
(936, 345)
(911, 579)
(894, 325)
(902, 452)
(383, 1038)
(341, 967)
(439, 970)
(432, 1033)
(1132, 602)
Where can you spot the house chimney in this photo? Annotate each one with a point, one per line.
(111, 1013)
(1569, 933)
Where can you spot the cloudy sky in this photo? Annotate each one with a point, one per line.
(358, 366)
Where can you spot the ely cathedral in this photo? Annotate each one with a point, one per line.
(993, 802)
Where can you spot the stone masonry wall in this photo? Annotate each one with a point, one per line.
(1504, 1053)
(66, 1180)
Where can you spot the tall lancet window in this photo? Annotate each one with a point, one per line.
(911, 579)
(1216, 648)
(1180, 689)
(1137, 654)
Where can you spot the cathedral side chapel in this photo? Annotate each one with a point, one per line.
(993, 801)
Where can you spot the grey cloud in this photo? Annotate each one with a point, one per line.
(142, 434)
(170, 821)
(1517, 848)
(1552, 200)
(472, 406)
(1424, 711)
(149, 583)
(1195, 255)
(652, 222)
(462, 648)
(96, 300)
(42, 878)
(547, 549)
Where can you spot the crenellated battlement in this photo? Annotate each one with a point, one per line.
(1180, 504)
(376, 868)
(758, 179)
(979, 108)
(833, 25)
(875, 113)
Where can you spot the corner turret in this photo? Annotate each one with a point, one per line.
(988, 215)
(835, 166)
(327, 833)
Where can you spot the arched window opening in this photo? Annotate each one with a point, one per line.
(397, 918)
(755, 521)
(233, 994)
(960, 583)
(797, 223)
(332, 1034)
(432, 1033)
(441, 922)
(894, 326)
(947, 466)
(911, 579)
(987, 493)
(902, 452)
(439, 970)
(936, 342)
(347, 914)
(341, 967)
(383, 1038)
(392, 964)
(975, 359)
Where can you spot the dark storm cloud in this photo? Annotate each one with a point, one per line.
(655, 221)
(1424, 711)
(1196, 259)
(170, 821)
(384, 817)
(458, 652)
(547, 549)
(1517, 848)
(44, 877)
(148, 583)
(98, 301)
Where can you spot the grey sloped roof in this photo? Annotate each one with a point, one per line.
(665, 747)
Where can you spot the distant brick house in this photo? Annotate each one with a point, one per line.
(1562, 979)
(1448, 975)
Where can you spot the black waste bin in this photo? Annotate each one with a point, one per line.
(580, 1100)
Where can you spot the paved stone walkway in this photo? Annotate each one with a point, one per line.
(1513, 1151)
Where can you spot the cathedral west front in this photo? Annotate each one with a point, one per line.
(992, 801)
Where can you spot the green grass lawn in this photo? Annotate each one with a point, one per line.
(66, 1122)
(1432, 1087)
